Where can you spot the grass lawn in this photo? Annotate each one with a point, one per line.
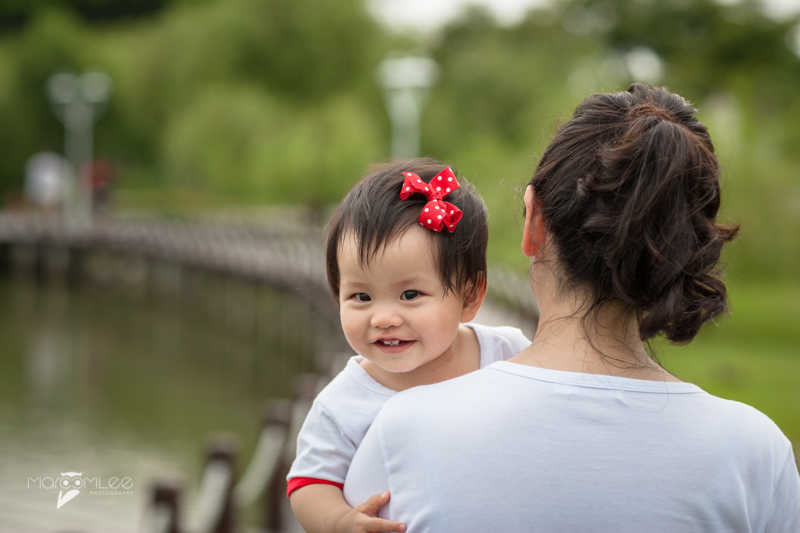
(752, 356)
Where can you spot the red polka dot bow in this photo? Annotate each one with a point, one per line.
(436, 214)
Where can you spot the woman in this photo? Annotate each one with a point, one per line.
(584, 431)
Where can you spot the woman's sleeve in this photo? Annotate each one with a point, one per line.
(785, 508)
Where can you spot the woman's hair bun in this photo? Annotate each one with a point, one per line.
(629, 190)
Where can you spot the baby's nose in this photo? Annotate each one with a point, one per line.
(385, 317)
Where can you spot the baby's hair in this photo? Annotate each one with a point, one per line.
(629, 191)
(374, 215)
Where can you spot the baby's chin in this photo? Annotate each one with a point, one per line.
(396, 368)
(393, 365)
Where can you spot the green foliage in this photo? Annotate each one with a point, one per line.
(718, 46)
(290, 81)
(52, 41)
(301, 49)
(498, 83)
(15, 14)
(254, 144)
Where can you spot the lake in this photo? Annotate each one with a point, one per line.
(122, 389)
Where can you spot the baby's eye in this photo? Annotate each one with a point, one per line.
(362, 297)
(409, 295)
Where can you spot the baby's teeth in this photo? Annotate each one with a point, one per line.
(391, 343)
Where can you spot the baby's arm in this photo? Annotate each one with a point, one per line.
(322, 509)
(326, 445)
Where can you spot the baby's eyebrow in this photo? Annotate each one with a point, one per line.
(354, 284)
(412, 281)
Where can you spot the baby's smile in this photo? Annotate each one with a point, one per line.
(390, 343)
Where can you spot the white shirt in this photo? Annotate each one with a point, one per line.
(344, 410)
(517, 448)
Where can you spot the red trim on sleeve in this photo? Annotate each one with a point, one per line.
(297, 482)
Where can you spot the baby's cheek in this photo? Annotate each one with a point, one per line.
(351, 331)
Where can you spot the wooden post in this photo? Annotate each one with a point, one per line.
(279, 413)
(76, 267)
(5, 257)
(165, 504)
(304, 392)
(224, 451)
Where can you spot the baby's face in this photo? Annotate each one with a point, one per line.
(394, 310)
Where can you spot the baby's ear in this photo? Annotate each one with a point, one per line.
(473, 299)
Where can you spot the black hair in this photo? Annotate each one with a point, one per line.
(373, 213)
(629, 190)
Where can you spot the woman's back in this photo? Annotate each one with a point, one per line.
(519, 448)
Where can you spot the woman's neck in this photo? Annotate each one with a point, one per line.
(606, 343)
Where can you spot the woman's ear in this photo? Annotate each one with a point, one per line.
(473, 301)
(533, 235)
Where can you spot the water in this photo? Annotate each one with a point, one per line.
(110, 386)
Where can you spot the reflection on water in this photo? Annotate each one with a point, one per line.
(110, 387)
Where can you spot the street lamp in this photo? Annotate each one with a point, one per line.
(406, 81)
(78, 102)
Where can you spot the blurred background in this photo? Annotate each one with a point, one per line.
(275, 108)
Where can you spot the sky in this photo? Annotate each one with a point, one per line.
(428, 15)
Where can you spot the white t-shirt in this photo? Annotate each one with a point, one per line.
(518, 448)
(342, 413)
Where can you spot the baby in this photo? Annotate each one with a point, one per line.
(406, 260)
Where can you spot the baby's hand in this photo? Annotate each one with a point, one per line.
(364, 518)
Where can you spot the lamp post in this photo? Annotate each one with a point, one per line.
(78, 102)
(405, 82)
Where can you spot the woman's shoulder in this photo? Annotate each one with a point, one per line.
(749, 426)
(689, 410)
(453, 395)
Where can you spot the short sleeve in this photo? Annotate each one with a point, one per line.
(499, 343)
(323, 449)
(785, 508)
(513, 342)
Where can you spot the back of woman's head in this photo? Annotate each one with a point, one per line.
(629, 191)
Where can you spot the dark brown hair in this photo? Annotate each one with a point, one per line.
(629, 191)
(373, 213)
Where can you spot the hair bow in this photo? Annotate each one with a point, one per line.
(436, 214)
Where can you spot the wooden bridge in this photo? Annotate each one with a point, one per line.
(283, 255)
(143, 251)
